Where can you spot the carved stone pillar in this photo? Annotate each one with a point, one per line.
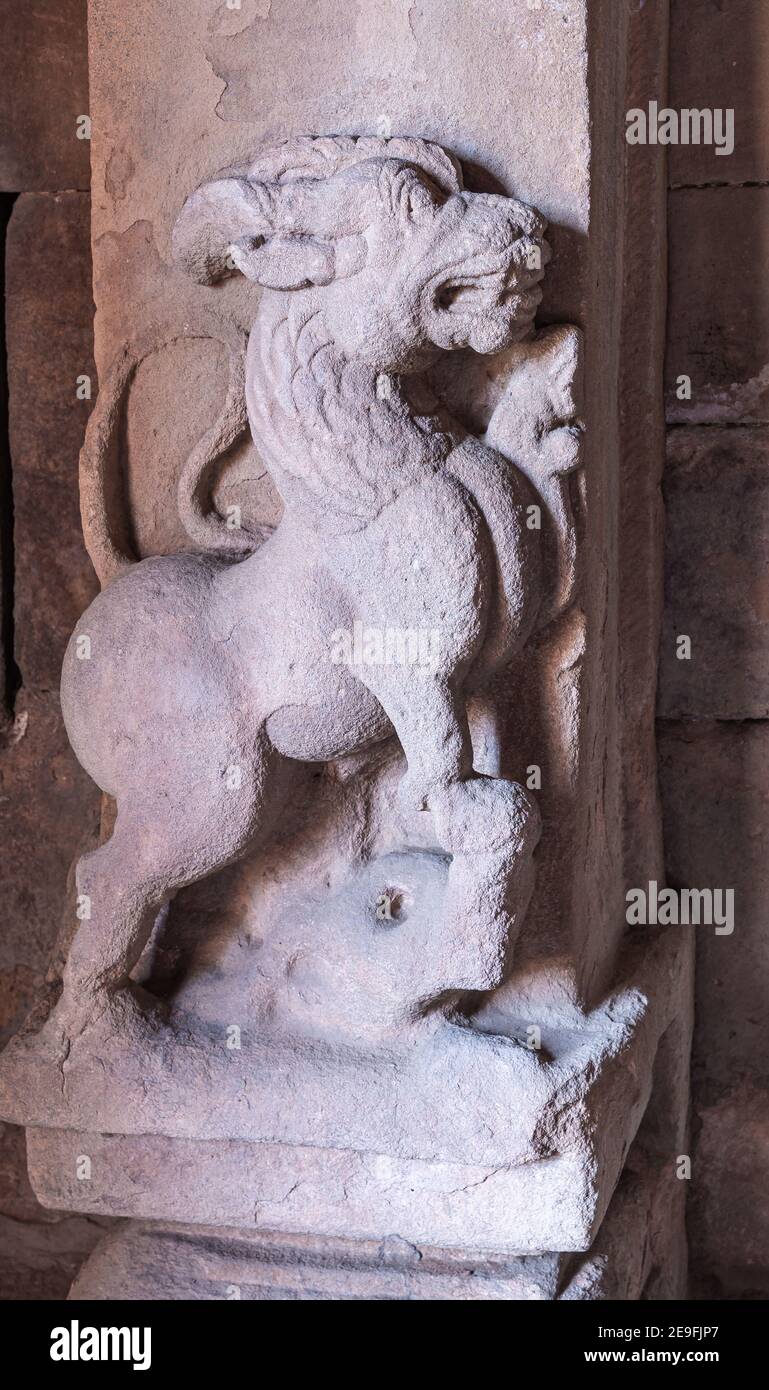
(352, 1009)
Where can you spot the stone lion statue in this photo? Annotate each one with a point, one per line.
(209, 676)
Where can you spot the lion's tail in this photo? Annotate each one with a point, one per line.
(103, 504)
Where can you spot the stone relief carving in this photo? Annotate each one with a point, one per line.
(412, 563)
(288, 1002)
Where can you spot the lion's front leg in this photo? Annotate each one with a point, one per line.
(430, 718)
(492, 828)
(431, 723)
(489, 826)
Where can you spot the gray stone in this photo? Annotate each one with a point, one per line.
(49, 809)
(718, 330)
(522, 1154)
(718, 59)
(641, 441)
(280, 978)
(49, 813)
(349, 318)
(635, 1255)
(50, 346)
(159, 1262)
(42, 1250)
(729, 1205)
(716, 584)
(713, 778)
(41, 1258)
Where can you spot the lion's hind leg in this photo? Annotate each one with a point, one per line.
(156, 848)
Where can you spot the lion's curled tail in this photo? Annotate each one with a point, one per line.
(103, 506)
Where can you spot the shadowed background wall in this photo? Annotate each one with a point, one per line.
(713, 737)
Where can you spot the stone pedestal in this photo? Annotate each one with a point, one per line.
(634, 1256)
(448, 1134)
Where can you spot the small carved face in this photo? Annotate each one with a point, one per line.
(439, 273)
(482, 291)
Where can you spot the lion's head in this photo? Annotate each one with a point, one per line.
(404, 260)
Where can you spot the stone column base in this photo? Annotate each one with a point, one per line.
(634, 1256)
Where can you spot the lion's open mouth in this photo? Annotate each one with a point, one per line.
(484, 293)
(460, 298)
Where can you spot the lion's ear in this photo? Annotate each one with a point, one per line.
(282, 236)
(285, 263)
(294, 262)
(213, 218)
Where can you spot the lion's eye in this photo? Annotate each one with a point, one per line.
(420, 204)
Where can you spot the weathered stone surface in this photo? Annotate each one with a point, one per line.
(719, 54)
(714, 778)
(634, 1256)
(41, 1259)
(158, 1262)
(195, 670)
(49, 810)
(379, 68)
(44, 91)
(337, 1192)
(50, 345)
(640, 520)
(718, 321)
(49, 813)
(714, 775)
(716, 490)
(525, 1174)
(41, 1250)
(729, 1205)
(377, 227)
(194, 136)
(637, 1253)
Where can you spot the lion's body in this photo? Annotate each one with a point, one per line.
(251, 644)
(203, 682)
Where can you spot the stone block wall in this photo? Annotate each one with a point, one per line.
(712, 732)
